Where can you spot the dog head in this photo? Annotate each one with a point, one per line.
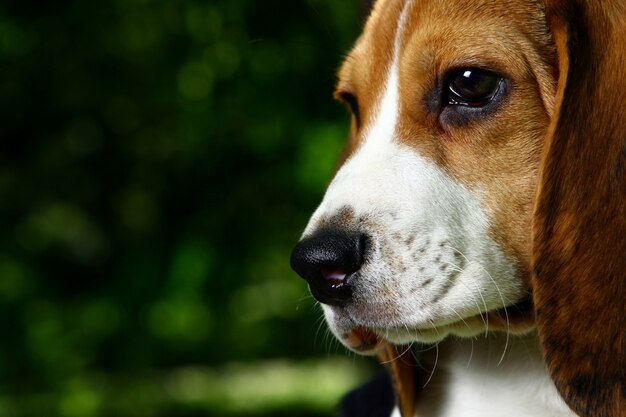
(461, 110)
(425, 229)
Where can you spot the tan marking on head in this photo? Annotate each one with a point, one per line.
(364, 71)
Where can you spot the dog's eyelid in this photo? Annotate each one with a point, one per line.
(486, 65)
(342, 88)
(351, 100)
(343, 93)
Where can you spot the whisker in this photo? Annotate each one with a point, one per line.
(317, 332)
(495, 284)
(480, 313)
(399, 355)
(506, 314)
(434, 366)
(461, 318)
(426, 348)
(485, 318)
(469, 361)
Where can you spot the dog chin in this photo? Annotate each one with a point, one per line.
(369, 339)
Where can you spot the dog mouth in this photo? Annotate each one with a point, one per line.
(371, 340)
(375, 290)
(363, 340)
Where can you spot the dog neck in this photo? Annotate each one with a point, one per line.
(491, 375)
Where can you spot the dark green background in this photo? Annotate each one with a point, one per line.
(158, 160)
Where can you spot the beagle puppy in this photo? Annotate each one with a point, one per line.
(474, 237)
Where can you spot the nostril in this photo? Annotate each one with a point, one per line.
(328, 261)
(334, 276)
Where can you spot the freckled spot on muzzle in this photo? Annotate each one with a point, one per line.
(344, 218)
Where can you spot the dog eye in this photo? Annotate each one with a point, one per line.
(472, 87)
(352, 102)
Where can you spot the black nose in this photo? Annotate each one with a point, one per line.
(328, 261)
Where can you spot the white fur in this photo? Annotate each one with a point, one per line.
(487, 377)
(470, 379)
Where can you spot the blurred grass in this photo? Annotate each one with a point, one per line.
(158, 159)
(277, 387)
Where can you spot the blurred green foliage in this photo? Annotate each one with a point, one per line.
(158, 160)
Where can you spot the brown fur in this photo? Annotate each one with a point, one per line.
(580, 217)
(574, 96)
(401, 364)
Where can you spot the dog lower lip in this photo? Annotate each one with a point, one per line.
(362, 339)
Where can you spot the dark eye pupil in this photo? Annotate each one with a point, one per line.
(473, 86)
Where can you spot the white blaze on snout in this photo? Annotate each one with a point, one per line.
(430, 261)
(374, 153)
(364, 175)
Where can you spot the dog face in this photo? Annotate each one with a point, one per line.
(425, 229)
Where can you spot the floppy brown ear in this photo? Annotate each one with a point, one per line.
(579, 229)
(402, 367)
